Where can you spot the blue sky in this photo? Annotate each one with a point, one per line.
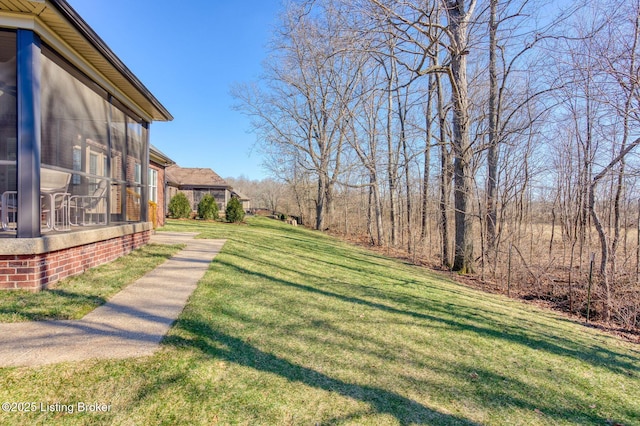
(188, 54)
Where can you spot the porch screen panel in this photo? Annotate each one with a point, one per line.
(118, 164)
(75, 128)
(134, 169)
(8, 114)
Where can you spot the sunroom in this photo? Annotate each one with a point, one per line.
(74, 142)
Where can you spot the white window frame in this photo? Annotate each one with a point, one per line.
(153, 185)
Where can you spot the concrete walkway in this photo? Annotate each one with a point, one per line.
(131, 324)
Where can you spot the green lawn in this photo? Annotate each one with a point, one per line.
(74, 297)
(290, 326)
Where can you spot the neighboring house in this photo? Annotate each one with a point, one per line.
(246, 201)
(195, 183)
(158, 163)
(74, 147)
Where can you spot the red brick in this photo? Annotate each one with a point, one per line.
(18, 278)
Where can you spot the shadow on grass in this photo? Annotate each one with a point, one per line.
(40, 306)
(291, 254)
(405, 410)
(494, 389)
(596, 355)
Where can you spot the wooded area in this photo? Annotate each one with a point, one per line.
(492, 137)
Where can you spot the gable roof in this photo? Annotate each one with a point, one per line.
(159, 157)
(194, 177)
(241, 196)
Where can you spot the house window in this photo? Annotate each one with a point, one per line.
(153, 185)
(97, 167)
(138, 173)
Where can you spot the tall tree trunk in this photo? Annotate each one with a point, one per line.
(492, 152)
(445, 175)
(328, 205)
(458, 26)
(392, 168)
(378, 210)
(588, 170)
(445, 189)
(375, 211)
(632, 86)
(402, 114)
(321, 203)
(604, 248)
(616, 213)
(427, 161)
(372, 240)
(407, 176)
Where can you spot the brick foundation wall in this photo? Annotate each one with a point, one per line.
(38, 271)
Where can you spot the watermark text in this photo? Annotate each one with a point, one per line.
(57, 407)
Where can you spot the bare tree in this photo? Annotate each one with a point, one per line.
(616, 47)
(366, 121)
(309, 82)
(429, 119)
(459, 14)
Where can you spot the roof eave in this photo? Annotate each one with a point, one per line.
(159, 157)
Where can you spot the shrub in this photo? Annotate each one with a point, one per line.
(234, 211)
(179, 206)
(208, 208)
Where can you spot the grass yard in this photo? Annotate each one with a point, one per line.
(291, 327)
(74, 297)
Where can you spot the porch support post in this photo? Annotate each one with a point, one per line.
(144, 202)
(29, 135)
